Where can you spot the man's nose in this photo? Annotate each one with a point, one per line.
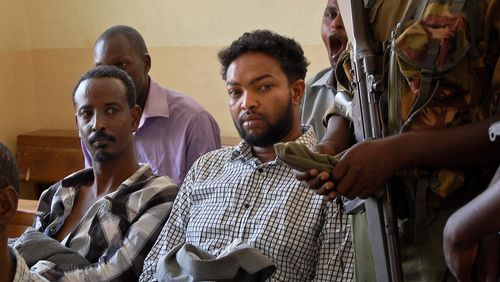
(248, 101)
(98, 123)
(337, 22)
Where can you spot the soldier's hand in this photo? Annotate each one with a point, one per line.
(365, 168)
(320, 181)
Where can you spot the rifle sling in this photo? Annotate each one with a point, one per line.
(420, 217)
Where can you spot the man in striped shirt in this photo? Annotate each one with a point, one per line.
(111, 213)
(244, 193)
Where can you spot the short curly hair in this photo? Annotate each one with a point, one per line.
(286, 51)
(110, 72)
(9, 174)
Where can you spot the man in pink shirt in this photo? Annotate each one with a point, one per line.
(174, 130)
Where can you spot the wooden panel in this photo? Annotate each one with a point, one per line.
(47, 156)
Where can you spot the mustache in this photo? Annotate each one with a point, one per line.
(101, 135)
(244, 116)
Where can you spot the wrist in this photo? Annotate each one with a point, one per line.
(326, 147)
(403, 151)
(454, 230)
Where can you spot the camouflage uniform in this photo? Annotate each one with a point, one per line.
(469, 89)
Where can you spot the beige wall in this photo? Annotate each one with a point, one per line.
(16, 74)
(48, 44)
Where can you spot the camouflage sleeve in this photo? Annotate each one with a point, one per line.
(343, 79)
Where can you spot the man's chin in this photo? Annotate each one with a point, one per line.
(260, 140)
(102, 157)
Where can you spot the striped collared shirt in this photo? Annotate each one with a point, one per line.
(117, 231)
(229, 194)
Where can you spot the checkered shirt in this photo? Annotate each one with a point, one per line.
(229, 194)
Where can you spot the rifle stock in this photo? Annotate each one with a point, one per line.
(363, 110)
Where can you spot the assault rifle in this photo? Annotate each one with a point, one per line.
(363, 111)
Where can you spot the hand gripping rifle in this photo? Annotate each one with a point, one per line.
(363, 110)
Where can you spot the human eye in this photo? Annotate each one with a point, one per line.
(112, 110)
(121, 65)
(330, 13)
(86, 114)
(233, 92)
(265, 87)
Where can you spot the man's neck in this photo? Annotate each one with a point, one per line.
(108, 176)
(264, 154)
(267, 153)
(6, 261)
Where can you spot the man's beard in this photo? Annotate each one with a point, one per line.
(100, 155)
(274, 133)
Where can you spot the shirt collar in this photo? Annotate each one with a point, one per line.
(325, 80)
(82, 176)
(87, 174)
(244, 151)
(156, 104)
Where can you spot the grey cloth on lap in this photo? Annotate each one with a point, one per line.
(34, 246)
(186, 262)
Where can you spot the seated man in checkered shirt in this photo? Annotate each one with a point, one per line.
(109, 214)
(244, 192)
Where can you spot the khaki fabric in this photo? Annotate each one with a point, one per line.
(465, 85)
(298, 156)
(422, 261)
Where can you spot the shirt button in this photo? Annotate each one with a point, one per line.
(246, 206)
(260, 170)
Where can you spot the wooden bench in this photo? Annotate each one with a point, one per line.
(23, 218)
(48, 155)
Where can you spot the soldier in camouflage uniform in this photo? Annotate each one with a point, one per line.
(438, 144)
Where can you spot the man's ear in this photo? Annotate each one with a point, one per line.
(297, 88)
(135, 114)
(8, 204)
(147, 63)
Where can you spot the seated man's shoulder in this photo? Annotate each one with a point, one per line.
(163, 181)
(221, 155)
(76, 178)
(160, 183)
(321, 75)
(158, 191)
